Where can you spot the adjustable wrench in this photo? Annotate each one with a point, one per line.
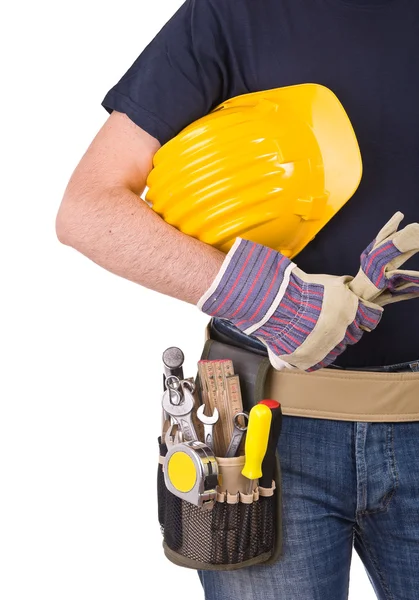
(181, 412)
(209, 423)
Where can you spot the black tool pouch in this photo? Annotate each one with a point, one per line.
(241, 529)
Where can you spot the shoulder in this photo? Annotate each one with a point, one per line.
(231, 7)
(238, 13)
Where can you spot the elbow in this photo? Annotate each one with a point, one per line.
(66, 228)
(62, 228)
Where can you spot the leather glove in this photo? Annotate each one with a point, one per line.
(379, 280)
(305, 321)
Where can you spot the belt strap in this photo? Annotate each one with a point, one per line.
(324, 394)
(346, 396)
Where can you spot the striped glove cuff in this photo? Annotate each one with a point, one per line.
(249, 285)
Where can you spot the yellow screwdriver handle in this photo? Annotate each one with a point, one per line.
(257, 437)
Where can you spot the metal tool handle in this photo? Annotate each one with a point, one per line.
(181, 411)
(238, 434)
(173, 359)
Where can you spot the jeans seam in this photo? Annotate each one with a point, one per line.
(393, 460)
(361, 473)
(386, 500)
(376, 566)
(389, 495)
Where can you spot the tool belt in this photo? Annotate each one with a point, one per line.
(232, 528)
(343, 395)
(220, 525)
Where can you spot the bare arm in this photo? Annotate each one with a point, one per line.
(102, 216)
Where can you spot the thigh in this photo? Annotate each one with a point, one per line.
(387, 533)
(319, 503)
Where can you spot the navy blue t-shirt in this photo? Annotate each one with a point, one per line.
(365, 51)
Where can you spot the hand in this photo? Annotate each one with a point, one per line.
(305, 321)
(379, 279)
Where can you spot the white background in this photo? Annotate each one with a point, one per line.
(80, 370)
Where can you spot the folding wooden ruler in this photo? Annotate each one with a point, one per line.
(220, 388)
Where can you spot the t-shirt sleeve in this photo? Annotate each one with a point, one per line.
(179, 77)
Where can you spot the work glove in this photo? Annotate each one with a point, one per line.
(305, 321)
(379, 279)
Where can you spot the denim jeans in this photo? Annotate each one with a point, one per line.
(345, 485)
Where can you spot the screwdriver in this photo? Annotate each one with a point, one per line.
(257, 437)
(268, 464)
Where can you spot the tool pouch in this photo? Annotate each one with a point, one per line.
(241, 529)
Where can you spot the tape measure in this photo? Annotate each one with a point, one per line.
(191, 473)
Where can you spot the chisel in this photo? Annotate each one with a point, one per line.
(257, 437)
(268, 464)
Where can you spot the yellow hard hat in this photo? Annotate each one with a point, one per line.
(272, 166)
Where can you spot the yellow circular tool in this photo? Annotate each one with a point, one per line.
(272, 166)
(191, 472)
(182, 472)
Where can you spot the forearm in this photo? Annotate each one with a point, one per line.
(121, 233)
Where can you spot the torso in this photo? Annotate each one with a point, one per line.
(367, 53)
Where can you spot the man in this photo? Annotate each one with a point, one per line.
(344, 480)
